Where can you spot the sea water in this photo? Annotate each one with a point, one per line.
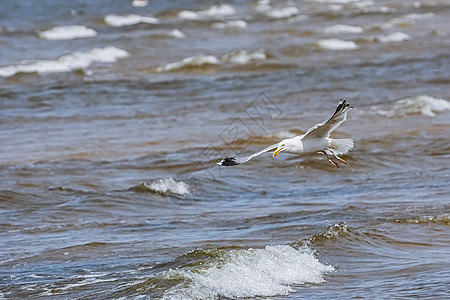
(113, 116)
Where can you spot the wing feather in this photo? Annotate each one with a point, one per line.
(323, 130)
(233, 161)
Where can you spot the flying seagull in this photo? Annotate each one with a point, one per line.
(315, 140)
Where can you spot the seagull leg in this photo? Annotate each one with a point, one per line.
(340, 159)
(329, 159)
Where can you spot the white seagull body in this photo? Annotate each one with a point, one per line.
(315, 140)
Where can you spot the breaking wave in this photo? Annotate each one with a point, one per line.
(212, 12)
(341, 28)
(245, 273)
(236, 24)
(422, 105)
(128, 20)
(163, 186)
(239, 57)
(443, 219)
(395, 37)
(336, 44)
(68, 62)
(68, 32)
(332, 232)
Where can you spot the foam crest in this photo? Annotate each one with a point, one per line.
(282, 13)
(243, 57)
(239, 57)
(176, 33)
(332, 232)
(68, 62)
(236, 24)
(163, 186)
(336, 44)
(266, 9)
(341, 28)
(193, 61)
(443, 219)
(394, 37)
(422, 105)
(406, 20)
(248, 273)
(336, 1)
(128, 20)
(215, 11)
(68, 32)
(139, 3)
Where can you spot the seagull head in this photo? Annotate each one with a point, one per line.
(283, 145)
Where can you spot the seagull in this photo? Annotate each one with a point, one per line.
(315, 140)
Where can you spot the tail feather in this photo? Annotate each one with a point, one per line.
(341, 146)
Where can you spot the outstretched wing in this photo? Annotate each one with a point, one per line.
(323, 130)
(233, 161)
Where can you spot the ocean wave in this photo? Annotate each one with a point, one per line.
(175, 33)
(332, 232)
(394, 37)
(336, 44)
(189, 62)
(422, 105)
(238, 57)
(377, 9)
(212, 12)
(243, 57)
(139, 3)
(246, 273)
(341, 28)
(264, 8)
(128, 20)
(282, 13)
(443, 219)
(235, 24)
(67, 32)
(406, 20)
(164, 186)
(336, 1)
(68, 62)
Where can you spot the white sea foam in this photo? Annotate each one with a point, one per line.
(243, 57)
(139, 3)
(176, 33)
(266, 9)
(119, 21)
(263, 6)
(378, 9)
(282, 13)
(341, 28)
(249, 273)
(193, 61)
(236, 24)
(240, 57)
(336, 1)
(167, 186)
(67, 32)
(423, 104)
(68, 62)
(417, 105)
(394, 37)
(212, 12)
(336, 44)
(406, 20)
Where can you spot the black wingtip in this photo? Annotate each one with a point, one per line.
(228, 161)
(343, 105)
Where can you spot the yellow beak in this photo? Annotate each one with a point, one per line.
(275, 153)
